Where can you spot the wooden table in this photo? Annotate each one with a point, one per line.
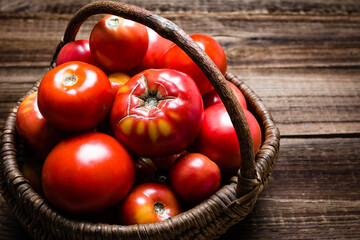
(301, 57)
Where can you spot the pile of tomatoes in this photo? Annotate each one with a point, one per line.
(127, 124)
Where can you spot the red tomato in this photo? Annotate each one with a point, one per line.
(194, 177)
(176, 58)
(118, 44)
(87, 173)
(157, 112)
(212, 97)
(145, 170)
(218, 140)
(118, 79)
(75, 96)
(78, 50)
(165, 163)
(148, 203)
(34, 129)
(156, 49)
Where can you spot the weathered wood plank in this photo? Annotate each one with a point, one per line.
(308, 100)
(270, 6)
(313, 194)
(249, 40)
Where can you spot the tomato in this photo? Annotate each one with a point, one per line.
(78, 50)
(118, 44)
(218, 140)
(164, 163)
(148, 203)
(156, 49)
(75, 96)
(176, 58)
(145, 170)
(118, 79)
(87, 173)
(194, 177)
(212, 97)
(34, 129)
(157, 112)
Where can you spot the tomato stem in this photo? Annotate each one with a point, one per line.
(159, 208)
(113, 22)
(70, 80)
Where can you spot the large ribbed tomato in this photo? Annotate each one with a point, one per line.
(157, 112)
(87, 173)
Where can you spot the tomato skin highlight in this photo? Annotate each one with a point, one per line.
(118, 44)
(158, 112)
(218, 140)
(75, 96)
(148, 203)
(87, 173)
(176, 58)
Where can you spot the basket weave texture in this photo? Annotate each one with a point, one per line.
(209, 219)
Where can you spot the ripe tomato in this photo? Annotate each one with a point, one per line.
(218, 140)
(78, 50)
(34, 129)
(176, 58)
(156, 49)
(148, 203)
(118, 44)
(212, 97)
(117, 79)
(194, 177)
(75, 96)
(164, 163)
(87, 173)
(145, 170)
(157, 112)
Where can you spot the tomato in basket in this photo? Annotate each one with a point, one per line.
(118, 44)
(75, 96)
(87, 173)
(78, 50)
(158, 112)
(218, 140)
(212, 97)
(148, 203)
(34, 129)
(194, 177)
(156, 49)
(176, 58)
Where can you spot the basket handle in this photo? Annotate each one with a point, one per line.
(172, 32)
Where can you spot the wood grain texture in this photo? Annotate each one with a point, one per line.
(301, 57)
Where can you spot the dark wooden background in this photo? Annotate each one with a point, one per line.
(301, 57)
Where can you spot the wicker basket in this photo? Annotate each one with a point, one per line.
(209, 219)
